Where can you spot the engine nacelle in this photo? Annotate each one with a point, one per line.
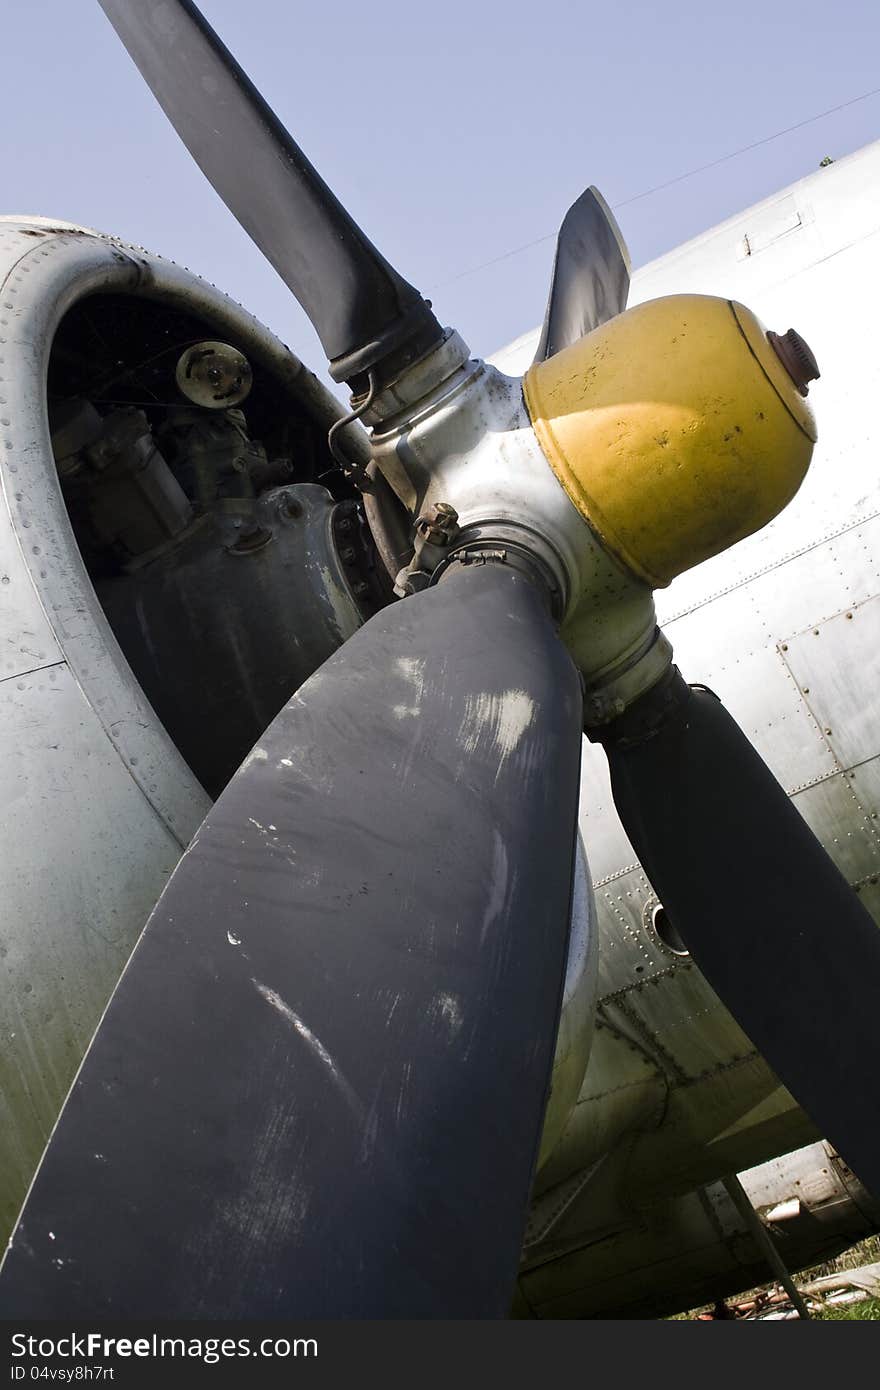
(169, 574)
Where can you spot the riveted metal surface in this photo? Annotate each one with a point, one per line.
(803, 589)
(836, 664)
(869, 892)
(728, 621)
(733, 646)
(651, 1259)
(627, 954)
(623, 1090)
(620, 1268)
(775, 719)
(809, 1174)
(84, 857)
(714, 1125)
(547, 1210)
(98, 804)
(801, 279)
(26, 638)
(753, 681)
(864, 783)
(833, 812)
(680, 1013)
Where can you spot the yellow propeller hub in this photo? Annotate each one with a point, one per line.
(676, 429)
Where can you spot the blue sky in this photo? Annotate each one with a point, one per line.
(453, 133)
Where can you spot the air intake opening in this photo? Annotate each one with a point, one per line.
(667, 932)
(228, 551)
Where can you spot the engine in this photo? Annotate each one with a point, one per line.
(180, 549)
(227, 548)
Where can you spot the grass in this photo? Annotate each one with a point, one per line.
(867, 1310)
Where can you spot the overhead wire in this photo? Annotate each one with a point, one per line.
(669, 183)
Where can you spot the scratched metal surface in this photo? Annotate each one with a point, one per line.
(96, 805)
(803, 257)
(388, 1062)
(744, 624)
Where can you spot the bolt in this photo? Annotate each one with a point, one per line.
(254, 538)
(410, 582)
(344, 525)
(796, 357)
(347, 555)
(439, 523)
(361, 589)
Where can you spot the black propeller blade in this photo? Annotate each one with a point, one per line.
(590, 275)
(362, 309)
(319, 1087)
(779, 933)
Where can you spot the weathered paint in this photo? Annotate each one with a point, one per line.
(674, 429)
(96, 804)
(785, 627)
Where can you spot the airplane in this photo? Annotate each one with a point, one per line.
(320, 1086)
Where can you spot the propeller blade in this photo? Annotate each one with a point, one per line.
(319, 1087)
(776, 929)
(362, 309)
(590, 275)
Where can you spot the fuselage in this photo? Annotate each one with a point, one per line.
(785, 628)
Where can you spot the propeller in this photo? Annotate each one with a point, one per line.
(363, 311)
(319, 1087)
(591, 273)
(342, 1014)
(776, 929)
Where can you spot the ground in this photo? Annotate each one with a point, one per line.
(868, 1309)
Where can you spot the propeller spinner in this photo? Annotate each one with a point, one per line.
(320, 1084)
